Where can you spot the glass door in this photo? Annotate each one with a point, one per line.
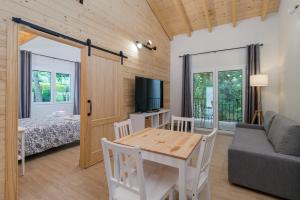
(230, 99)
(203, 99)
(218, 98)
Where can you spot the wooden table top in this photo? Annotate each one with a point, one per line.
(172, 143)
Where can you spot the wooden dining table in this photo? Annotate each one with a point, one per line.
(172, 148)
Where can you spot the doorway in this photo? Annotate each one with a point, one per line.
(93, 124)
(218, 98)
(49, 111)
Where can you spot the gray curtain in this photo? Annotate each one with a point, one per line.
(25, 84)
(253, 67)
(186, 107)
(76, 109)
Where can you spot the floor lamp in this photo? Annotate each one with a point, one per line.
(258, 81)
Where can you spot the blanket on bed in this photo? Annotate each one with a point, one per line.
(45, 133)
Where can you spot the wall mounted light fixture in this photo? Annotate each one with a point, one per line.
(294, 10)
(147, 45)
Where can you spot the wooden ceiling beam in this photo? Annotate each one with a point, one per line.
(156, 12)
(234, 12)
(264, 9)
(182, 11)
(204, 5)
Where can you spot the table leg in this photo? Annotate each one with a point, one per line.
(182, 180)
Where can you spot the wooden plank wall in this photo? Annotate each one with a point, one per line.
(115, 24)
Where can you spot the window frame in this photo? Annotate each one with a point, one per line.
(55, 91)
(53, 87)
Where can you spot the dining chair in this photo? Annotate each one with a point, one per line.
(123, 128)
(140, 183)
(197, 177)
(183, 124)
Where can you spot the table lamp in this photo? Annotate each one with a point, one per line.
(258, 81)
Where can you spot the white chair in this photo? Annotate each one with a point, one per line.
(197, 178)
(182, 123)
(21, 154)
(137, 184)
(123, 128)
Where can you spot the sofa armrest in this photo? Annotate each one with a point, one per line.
(272, 173)
(251, 126)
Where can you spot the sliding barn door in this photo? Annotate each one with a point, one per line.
(101, 94)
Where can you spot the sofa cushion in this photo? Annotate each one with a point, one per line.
(249, 126)
(268, 119)
(252, 140)
(284, 135)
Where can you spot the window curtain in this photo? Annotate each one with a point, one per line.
(25, 84)
(252, 67)
(76, 109)
(186, 108)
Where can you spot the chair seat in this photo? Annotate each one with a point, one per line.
(158, 182)
(190, 176)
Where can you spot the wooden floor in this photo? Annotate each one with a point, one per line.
(57, 176)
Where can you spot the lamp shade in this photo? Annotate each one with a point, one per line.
(259, 80)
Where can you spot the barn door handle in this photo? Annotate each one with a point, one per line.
(91, 107)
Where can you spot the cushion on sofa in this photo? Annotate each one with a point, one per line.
(268, 119)
(284, 135)
(251, 140)
(249, 126)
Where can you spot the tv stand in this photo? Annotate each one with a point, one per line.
(153, 111)
(156, 119)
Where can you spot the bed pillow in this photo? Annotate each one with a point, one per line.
(59, 113)
(268, 119)
(284, 135)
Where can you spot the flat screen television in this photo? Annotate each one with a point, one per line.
(148, 94)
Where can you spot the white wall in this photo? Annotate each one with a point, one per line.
(289, 42)
(225, 36)
(54, 66)
(52, 48)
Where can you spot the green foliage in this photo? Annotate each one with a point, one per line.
(41, 86)
(63, 84)
(230, 92)
(200, 82)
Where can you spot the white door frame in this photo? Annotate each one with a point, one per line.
(215, 71)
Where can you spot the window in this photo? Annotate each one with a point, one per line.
(44, 85)
(63, 87)
(41, 86)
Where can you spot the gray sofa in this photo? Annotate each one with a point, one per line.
(267, 158)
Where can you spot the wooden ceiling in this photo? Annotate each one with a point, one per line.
(25, 37)
(185, 16)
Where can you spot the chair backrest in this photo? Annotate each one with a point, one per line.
(204, 158)
(183, 123)
(132, 176)
(123, 128)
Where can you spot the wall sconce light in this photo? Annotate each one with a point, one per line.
(147, 45)
(294, 10)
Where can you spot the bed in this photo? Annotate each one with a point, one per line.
(45, 133)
